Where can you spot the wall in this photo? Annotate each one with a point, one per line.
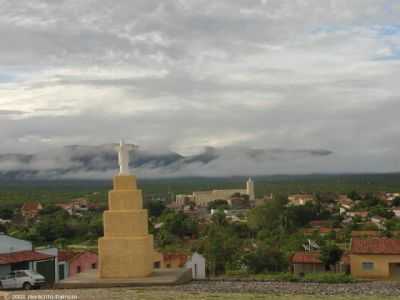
(5, 269)
(381, 265)
(308, 268)
(198, 265)
(173, 261)
(84, 261)
(9, 244)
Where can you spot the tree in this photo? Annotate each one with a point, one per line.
(270, 216)
(218, 204)
(265, 259)
(330, 254)
(51, 209)
(176, 225)
(219, 218)
(221, 247)
(155, 208)
(353, 195)
(396, 202)
(6, 213)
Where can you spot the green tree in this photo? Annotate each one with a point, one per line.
(218, 204)
(220, 247)
(265, 259)
(155, 208)
(270, 216)
(330, 254)
(6, 213)
(396, 202)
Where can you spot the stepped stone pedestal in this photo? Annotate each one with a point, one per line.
(126, 250)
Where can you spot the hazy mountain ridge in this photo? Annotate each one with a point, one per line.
(77, 161)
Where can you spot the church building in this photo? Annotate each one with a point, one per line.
(202, 198)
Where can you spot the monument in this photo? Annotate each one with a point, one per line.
(126, 250)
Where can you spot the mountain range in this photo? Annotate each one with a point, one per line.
(98, 162)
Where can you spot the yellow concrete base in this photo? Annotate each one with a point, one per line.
(125, 257)
(126, 250)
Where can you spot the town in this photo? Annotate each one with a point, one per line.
(226, 232)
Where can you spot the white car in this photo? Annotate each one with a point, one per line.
(22, 279)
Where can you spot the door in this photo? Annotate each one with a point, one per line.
(47, 270)
(61, 271)
(394, 271)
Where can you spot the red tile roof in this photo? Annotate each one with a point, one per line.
(306, 258)
(375, 246)
(21, 256)
(66, 255)
(31, 206)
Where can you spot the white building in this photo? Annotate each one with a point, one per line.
(198, 265)
(202, 198)
(16, 254)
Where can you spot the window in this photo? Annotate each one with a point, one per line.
(94, 266)
(157, 265)
(20, 274)
(367, 266)
(168, 266)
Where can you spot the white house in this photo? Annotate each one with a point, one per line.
(198, 265)
(18, 254)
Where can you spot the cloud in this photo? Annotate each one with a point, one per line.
(181, 75)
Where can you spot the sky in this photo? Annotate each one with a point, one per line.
(181, 75)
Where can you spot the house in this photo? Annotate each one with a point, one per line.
(18, 254)
(361, 214)
(307, 262)
(345, 202)
(80, 204)
(197, 263)
(173, 260)
(396, 211)
(263, 201)
(71, 262)
(378, 221)
(68, 207)
(300, 199)
(30, 210)
(375, 258)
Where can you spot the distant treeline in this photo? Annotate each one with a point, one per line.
(18, 192)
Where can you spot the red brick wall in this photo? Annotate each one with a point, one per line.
(84, 261)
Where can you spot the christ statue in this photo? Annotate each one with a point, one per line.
(123, 158)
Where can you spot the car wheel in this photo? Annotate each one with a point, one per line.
(27, 286)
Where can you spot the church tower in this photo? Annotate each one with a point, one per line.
(250, 189)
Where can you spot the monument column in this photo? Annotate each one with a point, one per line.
(126, 250)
